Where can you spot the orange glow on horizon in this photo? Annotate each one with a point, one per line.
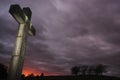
(27, 71)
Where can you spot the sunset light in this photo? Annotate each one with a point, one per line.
(27, 71)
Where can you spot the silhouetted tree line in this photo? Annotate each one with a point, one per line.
(75, 70)
(3, 72)
(89, 70)
(33, 77)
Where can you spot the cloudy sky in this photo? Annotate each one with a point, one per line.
(68, 33)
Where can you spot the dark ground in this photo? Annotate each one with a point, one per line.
(72, 78)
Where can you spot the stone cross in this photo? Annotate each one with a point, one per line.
(23, 17)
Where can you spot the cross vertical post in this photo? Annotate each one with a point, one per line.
(23, 17)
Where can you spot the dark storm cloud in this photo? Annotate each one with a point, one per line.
(101, 35)
(6, 33)
(1, 48)
(6, 40)
(68, 33)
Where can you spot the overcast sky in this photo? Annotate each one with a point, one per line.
(68, 33)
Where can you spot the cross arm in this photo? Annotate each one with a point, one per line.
(23, 16)
(27, 12)
(31, 29)
(16, 11)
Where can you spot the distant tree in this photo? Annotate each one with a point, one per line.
(91, 70)
(30, 76)
(3, 71)
(83, 69)
(42, 75)
(75, 70)
(22, 77)
(100, 69)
